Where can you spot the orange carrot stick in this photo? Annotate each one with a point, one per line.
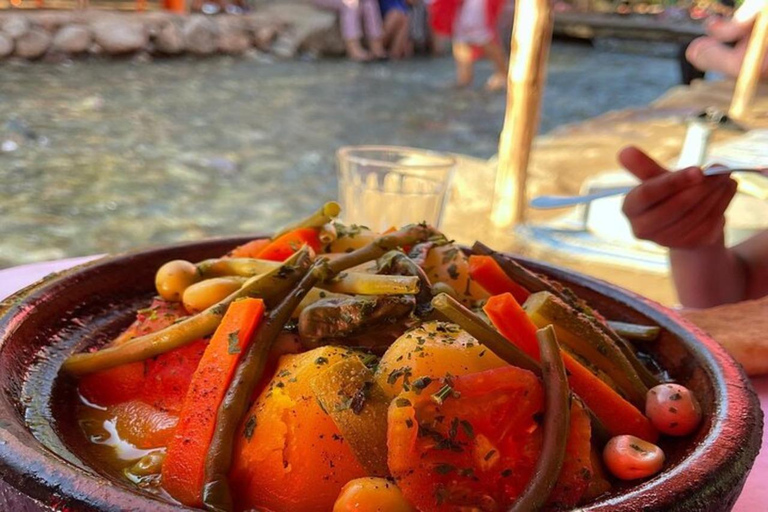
(184, 466)
(493, 279)
(618, 415)
(249, 249)
(285, 245)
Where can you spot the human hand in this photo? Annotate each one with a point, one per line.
(681, 210)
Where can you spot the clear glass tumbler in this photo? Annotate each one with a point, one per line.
(385, 186)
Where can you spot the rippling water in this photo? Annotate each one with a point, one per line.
(105, 156)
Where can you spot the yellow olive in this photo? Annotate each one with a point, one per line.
(174, 277)
(207, 293)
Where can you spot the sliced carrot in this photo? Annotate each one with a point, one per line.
(493, 279)
(249, 249)
(284, 246)
(184, 466)
(618, 415)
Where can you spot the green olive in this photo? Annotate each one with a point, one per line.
(205, 294)
(174, 277)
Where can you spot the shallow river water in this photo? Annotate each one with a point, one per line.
(105, 156)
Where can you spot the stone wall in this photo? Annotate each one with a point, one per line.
(284, 30)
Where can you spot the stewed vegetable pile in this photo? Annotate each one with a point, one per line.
(333, 368)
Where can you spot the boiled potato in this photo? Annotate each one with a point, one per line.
(447, 264)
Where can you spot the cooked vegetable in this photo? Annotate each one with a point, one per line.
(282, 247)
(431, 351)
(150, 464)
(191, 328)
(216, 493)
(397, 263)
(580, 336)
(473, 441)
(249, 249)
(319, 218)
(673, 409)
(174, 277)
(635, 332)
(358, 406)
(618, 415)
(448, 264)
(372, 284)
(204, 294)
(535, 283)
(183, 469)
(629, 458)
(488, 274)
(289, 454)
(556, 426)
(143, 425)
(371, 495)
(343, 317)
(244, 267)
(350, 238)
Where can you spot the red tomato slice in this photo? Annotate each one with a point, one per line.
(161, 381)
(478, 449)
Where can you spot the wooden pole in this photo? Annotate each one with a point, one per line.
(531, 37)
(749, 75)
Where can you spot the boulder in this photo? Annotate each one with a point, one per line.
(72, 39)
(120, 37)
(200, 35)
(32, 44)
(305, 23)
(16, 26)
(6, 45)
(233, 35)
(169, 39)
(264, 36)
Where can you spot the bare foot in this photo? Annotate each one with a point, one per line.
(377, 49)
(496, 82)
(356, 52)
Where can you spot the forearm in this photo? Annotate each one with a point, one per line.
(708, 276)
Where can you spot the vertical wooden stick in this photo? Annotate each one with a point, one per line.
(749, 76)
(531, 36)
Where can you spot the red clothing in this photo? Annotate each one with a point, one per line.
(443, 14)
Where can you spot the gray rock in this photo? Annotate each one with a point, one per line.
(6, 45)
(263, 37)
(306, 24)
(33, 44)
(200, 35)
(233, 36)
(119, 37)
(169, 39)
(72, 39)
(16, 26)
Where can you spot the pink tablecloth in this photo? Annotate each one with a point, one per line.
(754, 498)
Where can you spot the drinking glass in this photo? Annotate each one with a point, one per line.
(385, 186)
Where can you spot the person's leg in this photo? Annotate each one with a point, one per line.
(374, 29)
(688, 72)
(495, 52)
(462, 54)
(351, 28)
(392, 22)
(396, 33)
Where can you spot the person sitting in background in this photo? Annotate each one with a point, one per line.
(685, 211)
(722, 50)
(472, 26)
(395, 14)
(352, 15)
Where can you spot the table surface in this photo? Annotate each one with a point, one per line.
(753, 498)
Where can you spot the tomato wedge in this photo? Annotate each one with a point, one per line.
(478, 448)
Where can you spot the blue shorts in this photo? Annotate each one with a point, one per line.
(389, 5)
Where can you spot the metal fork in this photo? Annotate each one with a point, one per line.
(551, 202)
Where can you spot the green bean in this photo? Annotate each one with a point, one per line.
(557, 414)
(454, 312)
(535, 283)
(635, 332)
(216, 491)
(217, 494)
(324, 215)
(359, 283)
(191, 328)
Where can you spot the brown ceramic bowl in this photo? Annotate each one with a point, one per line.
(43, 464)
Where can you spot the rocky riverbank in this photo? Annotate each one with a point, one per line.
(283, 30)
